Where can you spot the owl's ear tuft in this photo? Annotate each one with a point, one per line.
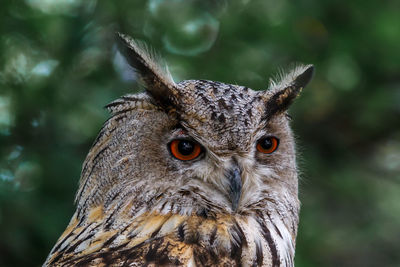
(305, 76)
(151, 69)
(282, 94)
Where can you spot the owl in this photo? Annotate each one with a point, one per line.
(195, 173)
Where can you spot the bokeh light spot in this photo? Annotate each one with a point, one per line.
(192, 38)
(388, 156)
(6, 175)
(27, 176)
(16, 68)
(343, 72)
(55, 6)
(275, 11)
(45, 67)
(15, 153)
(6, 115)
(193, 32)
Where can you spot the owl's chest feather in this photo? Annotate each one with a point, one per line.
(175, 240)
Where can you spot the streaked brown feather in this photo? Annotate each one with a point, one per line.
(162, 240)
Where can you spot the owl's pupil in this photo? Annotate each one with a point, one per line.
(266, 143)
(185, 147)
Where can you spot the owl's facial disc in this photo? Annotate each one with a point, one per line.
(222, 122)
(231, 180)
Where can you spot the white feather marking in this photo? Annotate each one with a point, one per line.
(82, 246)
(67, 242)
(119, 240)
(171, 224)
(285, 244)
(191, 262)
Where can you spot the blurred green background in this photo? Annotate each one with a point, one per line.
(59, 67)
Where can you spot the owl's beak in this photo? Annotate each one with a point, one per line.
(235, 184)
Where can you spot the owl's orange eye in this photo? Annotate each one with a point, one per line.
(267, 145)
(184, 149)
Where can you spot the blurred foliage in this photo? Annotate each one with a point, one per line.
(58, 67)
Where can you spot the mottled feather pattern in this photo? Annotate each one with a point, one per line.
(137, 205)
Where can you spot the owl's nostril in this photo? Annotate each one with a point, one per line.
(235, 185)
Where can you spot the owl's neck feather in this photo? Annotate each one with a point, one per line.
(260, 239)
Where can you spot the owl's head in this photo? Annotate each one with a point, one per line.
(194, 147)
